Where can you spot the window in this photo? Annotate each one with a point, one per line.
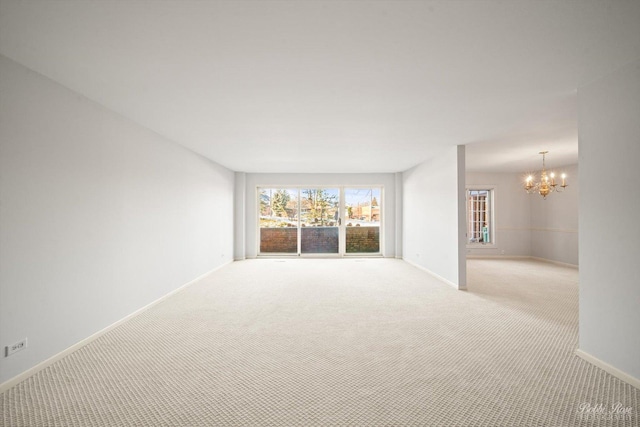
(313, 221)
(362, 219)
(480, 216)
(278, 220)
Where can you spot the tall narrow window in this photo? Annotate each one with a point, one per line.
(278, 220)
(320, 220)
(479, 216)
(362, 219)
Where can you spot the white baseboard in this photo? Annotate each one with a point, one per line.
(498, 256)
(48, 362)
(437, 276)
(563, 264)
(623, 376)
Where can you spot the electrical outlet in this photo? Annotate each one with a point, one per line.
(14, 348)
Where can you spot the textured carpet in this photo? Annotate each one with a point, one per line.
(347, 342)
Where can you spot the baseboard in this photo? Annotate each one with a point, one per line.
(563, 264)
(498, 256)
(48, 362)
(622, 376)
(435, 275)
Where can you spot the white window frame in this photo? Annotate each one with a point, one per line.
(492, 215)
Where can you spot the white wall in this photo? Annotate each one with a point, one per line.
(554, 221)
(434, 215)
(512, 216)
(255, 180)
(98, 217)
(399, 215)
(609, 138)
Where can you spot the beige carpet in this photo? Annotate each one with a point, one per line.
(371, 342)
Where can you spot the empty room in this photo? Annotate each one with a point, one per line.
(319, 213)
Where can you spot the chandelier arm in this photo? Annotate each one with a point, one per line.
(544, 186)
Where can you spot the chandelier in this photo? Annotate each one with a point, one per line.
(547, 183)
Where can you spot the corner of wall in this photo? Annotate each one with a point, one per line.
(462, 218)
(239, 215)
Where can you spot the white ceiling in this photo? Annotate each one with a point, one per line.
(329, 86)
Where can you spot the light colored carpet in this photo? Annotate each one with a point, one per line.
(337, 342)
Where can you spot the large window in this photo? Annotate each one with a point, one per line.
(480, 216)
(324, 220)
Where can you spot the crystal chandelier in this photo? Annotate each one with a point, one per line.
(547, 183)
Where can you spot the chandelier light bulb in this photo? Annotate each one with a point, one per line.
(547, 183)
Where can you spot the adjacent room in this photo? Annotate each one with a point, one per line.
(319, 213)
